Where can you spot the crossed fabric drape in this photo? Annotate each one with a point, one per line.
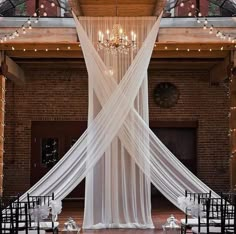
(118, 120)
(116, 179)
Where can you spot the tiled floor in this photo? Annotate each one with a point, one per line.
(161, 210)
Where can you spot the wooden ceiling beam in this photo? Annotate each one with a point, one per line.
(11, 70)
(190, 54)
(69, 35)
(75, 6)
(79, 54)
(220, 71)
(44, 54)
(75, 46)
(158, 8)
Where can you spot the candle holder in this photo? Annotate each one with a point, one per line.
(171, 226)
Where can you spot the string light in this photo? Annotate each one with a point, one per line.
(204, 27)
(188, 50)
(28, 22)
(205, 21)
(192, 6)
(198, 21)
(177, 48)
(46, 50)
(35, 50)
(182, 4)
(68, 47)
(166, 47)
(190, 13)
(24, 50)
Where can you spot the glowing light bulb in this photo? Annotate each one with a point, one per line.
(204, 27)
(199, 14)
(35, 14)
(53, 4)
(205, 21)
(45, 13)
(182, 4)
(28, 21)
(190, 13)
(36, 21)
(192, 6)
(42, 6)
(198, 21)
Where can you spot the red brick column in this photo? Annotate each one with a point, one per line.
(233, 128)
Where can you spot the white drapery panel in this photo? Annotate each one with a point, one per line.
(117, 192)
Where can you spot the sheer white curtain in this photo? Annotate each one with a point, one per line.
(117, 191)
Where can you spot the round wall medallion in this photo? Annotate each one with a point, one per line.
(166, 94)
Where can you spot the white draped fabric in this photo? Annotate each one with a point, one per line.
(118, 122)
(116, 179)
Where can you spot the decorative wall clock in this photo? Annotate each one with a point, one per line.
(166, 95)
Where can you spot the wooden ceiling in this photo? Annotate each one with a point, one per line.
(117, 7)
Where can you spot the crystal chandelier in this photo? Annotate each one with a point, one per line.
(116, 41)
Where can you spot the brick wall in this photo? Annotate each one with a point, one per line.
(199, 101)
(61, 95)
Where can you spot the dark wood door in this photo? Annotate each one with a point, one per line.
(50, 142)
(181, 141)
